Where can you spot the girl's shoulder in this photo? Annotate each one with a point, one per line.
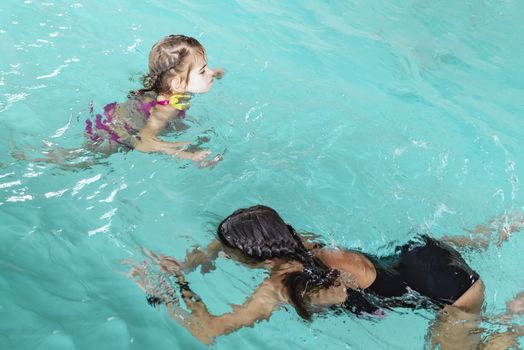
(341, 257)
(140, 97)
(138, 104)
(352, 262)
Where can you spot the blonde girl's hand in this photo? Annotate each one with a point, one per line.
(218, 73)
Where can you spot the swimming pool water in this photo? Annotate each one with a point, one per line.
(362, 121)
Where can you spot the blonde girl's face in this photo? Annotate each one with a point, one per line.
(200, 77)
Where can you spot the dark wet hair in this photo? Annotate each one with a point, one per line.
(259, 233)
(170, 57)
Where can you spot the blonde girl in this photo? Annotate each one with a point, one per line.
(177, 70)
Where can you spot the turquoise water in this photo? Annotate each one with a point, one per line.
(362, 121)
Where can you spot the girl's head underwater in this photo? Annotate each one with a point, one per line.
(178, 64)
(258, 233)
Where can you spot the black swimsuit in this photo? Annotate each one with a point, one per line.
(432, 269)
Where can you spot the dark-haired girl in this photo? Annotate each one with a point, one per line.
(423, 273)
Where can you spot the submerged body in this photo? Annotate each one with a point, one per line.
(121, 124)
(424, 273)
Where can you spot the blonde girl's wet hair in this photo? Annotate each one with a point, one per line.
(173, 57)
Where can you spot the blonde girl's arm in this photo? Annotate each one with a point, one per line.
(149, 142)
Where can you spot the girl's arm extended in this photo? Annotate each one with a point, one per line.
(203, 325)
(152, 144)
(204, 258)
(148, 140)
(206, 327)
